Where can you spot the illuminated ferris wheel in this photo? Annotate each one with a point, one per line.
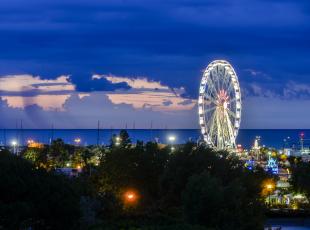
(219, 105)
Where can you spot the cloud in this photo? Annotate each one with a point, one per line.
(95, 83)
(24, 91)
(169, 41)
(85, 112)
(21, 91)
(136, 83)
(258, 74)
(296, 90)
(150, 94)
(17, 85)
(291, 91)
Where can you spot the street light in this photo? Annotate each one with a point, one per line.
(117, 141)
(269, 188)
(130, 197)
(30, 141)
(171, 138)
(77, 140)
(14, 144)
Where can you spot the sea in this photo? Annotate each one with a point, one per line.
(276, 138)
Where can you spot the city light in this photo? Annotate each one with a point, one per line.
(171, 138)
(77, 140)
(14, 143)
(130, 197)
(118, 141)
(30, 141)
(269, 186)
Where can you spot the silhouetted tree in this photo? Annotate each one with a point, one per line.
(33, 198)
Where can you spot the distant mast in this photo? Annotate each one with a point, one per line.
(98, 132)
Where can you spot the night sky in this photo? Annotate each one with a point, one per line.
(71, 63)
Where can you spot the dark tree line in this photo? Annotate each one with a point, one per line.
(192, 187)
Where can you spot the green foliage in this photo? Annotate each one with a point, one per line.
(137, 168)
(207, 202)
(191, 188)
(301, 177)
(124, 138)
(32, 197)
(131, 225)
(37, 156)
(208, 186)
(58, 154)
(121, 141)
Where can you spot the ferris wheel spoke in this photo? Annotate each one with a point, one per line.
(225, 80)
(211, 124)
(210, 95)
(230, 129)
(210, 99)
(212, 88)
(232, 100)
(229, 89)
(210, 109)
(231, 113)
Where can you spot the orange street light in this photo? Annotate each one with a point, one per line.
(269, 186)
(78, 167)
(130, 197)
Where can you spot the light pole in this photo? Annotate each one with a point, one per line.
(171, 140)
(117, 141)
(269, 188)
(14, 144)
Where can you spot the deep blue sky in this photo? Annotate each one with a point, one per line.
(167, 41)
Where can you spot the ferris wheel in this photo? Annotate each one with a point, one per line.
(219, 105)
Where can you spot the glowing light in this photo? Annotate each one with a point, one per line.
(77, 140)
(130, 197)
(30, 141)
(118, 139)
(269, 186)
(171, 138)
(33, 144)
(299, 196)
(14, 143)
